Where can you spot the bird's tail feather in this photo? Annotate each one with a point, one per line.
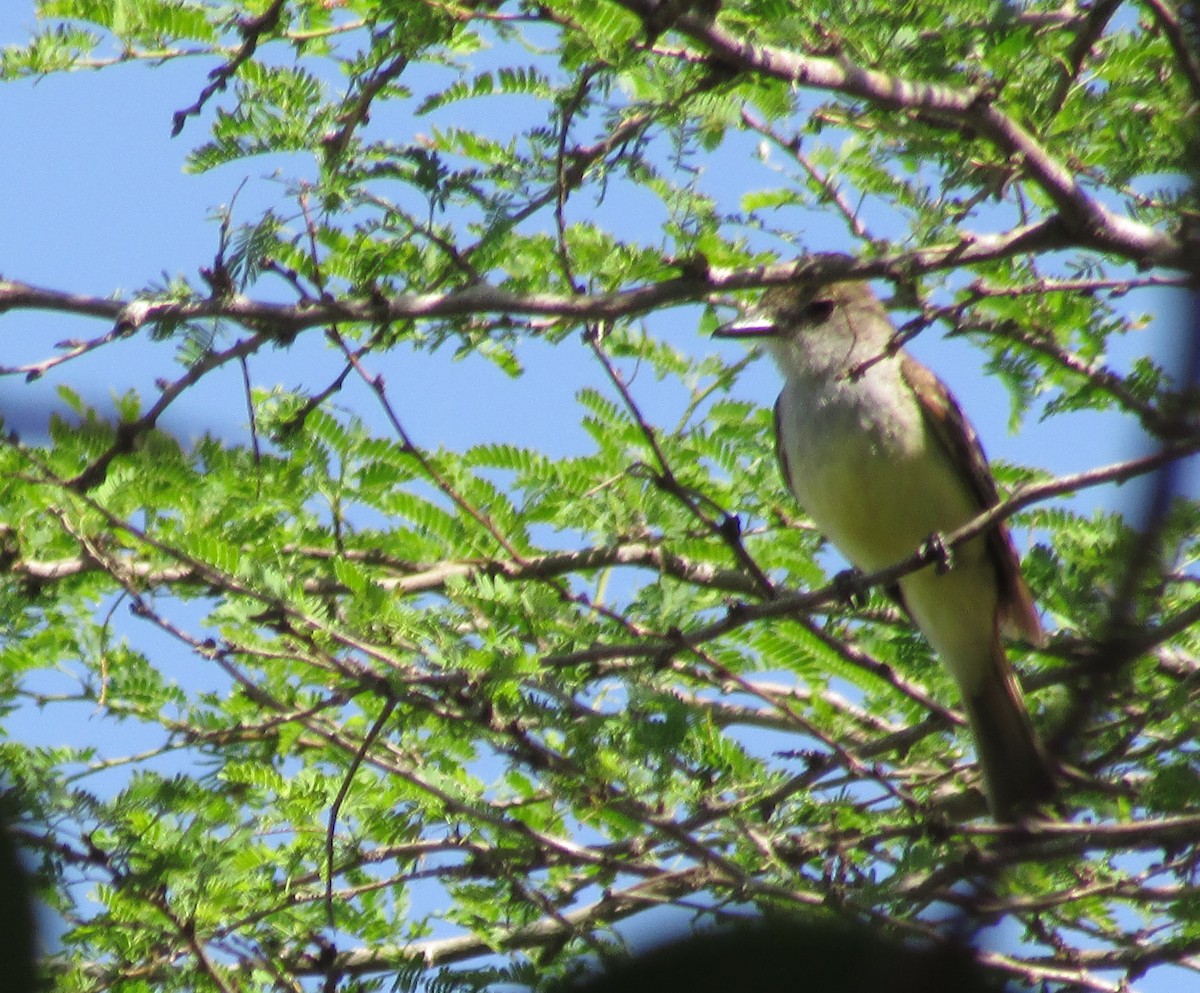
(1017, 772)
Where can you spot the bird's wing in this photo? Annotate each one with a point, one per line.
(954, 433)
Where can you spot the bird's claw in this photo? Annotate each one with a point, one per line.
(849, 587)
(938, 552)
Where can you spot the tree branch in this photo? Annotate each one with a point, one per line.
(284, 321)
(1085, 217)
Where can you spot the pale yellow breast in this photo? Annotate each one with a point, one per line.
(868, 472)
(875, 481)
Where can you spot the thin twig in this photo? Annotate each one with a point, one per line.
(343, 791)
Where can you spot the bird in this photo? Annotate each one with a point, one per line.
(878, 453)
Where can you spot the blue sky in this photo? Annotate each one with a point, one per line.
(94, 199)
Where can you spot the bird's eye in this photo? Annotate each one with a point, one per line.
(816, 311)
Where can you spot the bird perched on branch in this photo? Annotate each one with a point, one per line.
(880, 456)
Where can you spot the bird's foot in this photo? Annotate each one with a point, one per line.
(938, 552)
(849, 586)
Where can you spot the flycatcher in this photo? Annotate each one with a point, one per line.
(880, 456)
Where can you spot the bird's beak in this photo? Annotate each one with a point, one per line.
(749, 326)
